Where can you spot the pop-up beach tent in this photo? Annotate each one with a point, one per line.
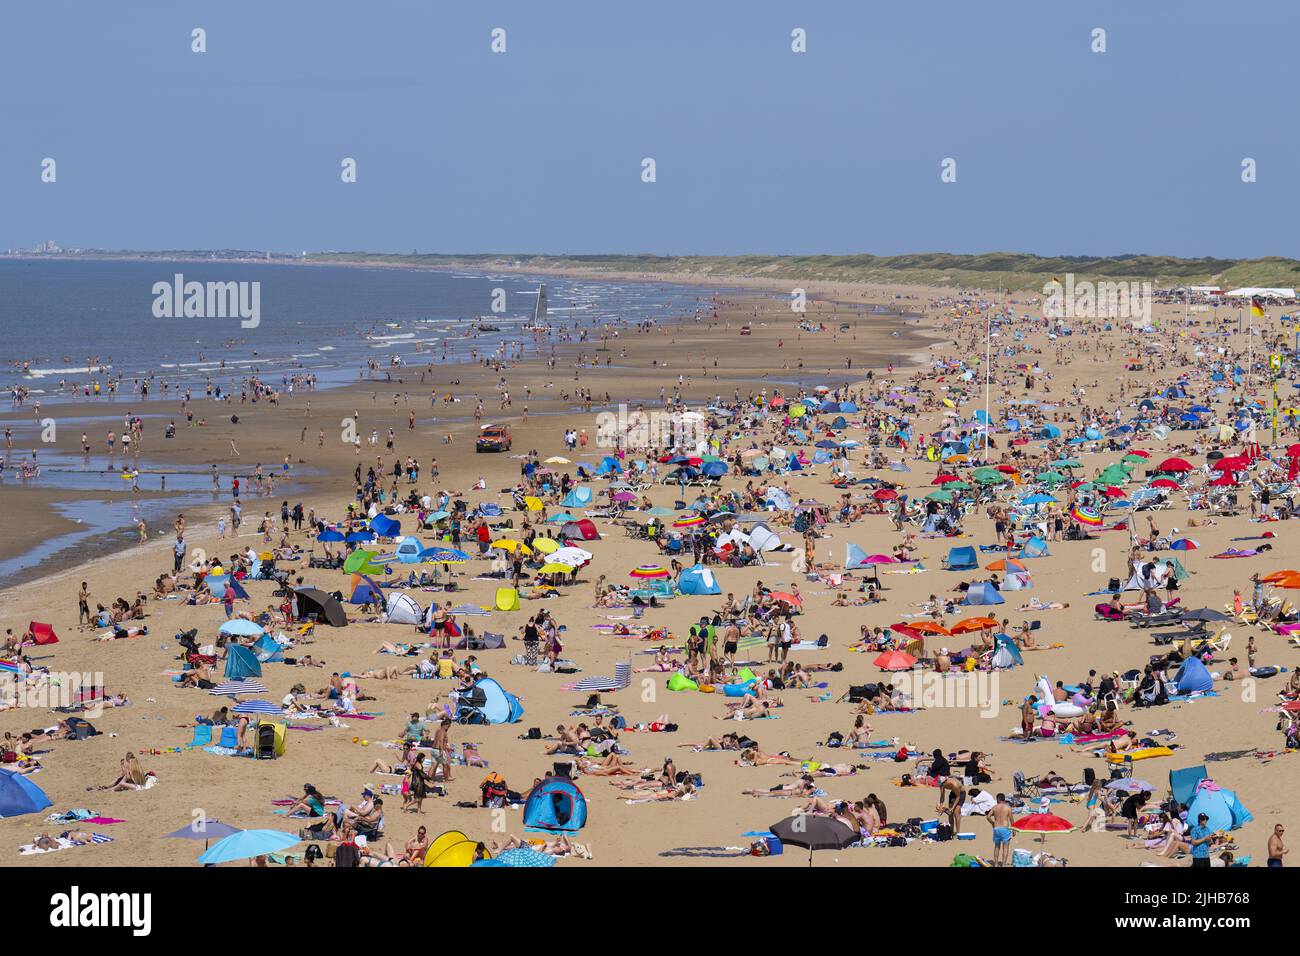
(365, 590)
(241, 663)
(402, 609)
(43, 633)
(1182, 783)
(981, 593)
(1221, 806)
(555, 805)
(698, 580)
(961, 559)
(322, 605)
(1193, 678)
(487, 702)
(18, 795)
(385, 527)
(579, 496)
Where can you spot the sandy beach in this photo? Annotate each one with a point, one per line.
(709, 359)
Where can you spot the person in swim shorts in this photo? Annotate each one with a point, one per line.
(1000, 817)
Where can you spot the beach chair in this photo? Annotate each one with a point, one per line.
(202, 735)
(1220, 642)
(229, 737)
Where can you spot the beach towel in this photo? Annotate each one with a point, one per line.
(30, 849)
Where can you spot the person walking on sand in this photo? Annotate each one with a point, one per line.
(83, 604)
(234, 452)
(1276, 849)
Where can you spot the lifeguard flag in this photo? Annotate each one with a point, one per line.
(1256, 308)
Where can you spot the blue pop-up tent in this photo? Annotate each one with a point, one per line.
(488, 702)
(18, 795)
(241, 663)
(1221, 806)
(1182, 783)
(555, 805)
(961, 559)
(1193, 678)
(579, 496)
(981, 593)
(698, 580)
(385, 527)
(1035, 547)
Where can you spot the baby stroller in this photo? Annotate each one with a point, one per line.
(264, 749)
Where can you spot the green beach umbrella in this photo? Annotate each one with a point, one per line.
(941, 495)
(358, 562)
(1051, 477)
(1067, 463)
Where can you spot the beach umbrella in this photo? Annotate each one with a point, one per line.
(1130, 785)
(970, 624)
(1043, 824)
(929, 627)
(511, 545)
(885, 494)
(1008, 469)
(1231, 463)
(814, 833)
(895, 661)
(558, 460)
(690, 522)
(940, 495)
(555, 567)
(956, 486)
(248, 843)
(1006, 564)
(944, 479)
(1185, 544)
(1174, 464)
(523, 856)
(1051, 477)
(786, 598)
(1167, 483)
(1208, 614)
(623, 496)
(546, 545)
(1086, 515)
(360, 536)
(330, 534)
(241, 627)
(436, 555)
(233, 688)
(989, 476)
(358, 562)
(1224, 480)
(1274, 576)
(203, 829)
(570, 556)
(258, 707)
(18, 796)
(878, 559)
(1037, 499)
(649, 571)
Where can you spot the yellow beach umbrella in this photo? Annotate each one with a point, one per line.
(509, 544)
(532, 503)
(555, 567)
(545, 545)
(558, 460)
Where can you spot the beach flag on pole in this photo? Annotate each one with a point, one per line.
(1256, 307)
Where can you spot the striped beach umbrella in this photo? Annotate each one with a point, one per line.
(257, 707)
(689, 522)
(233, 688)
(648, 571)
(526, 856)
(1086, 515)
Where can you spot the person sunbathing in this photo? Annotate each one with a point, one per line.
(753, 757)
(725, 742)
(803, 787)
(612, 766)
(754, 711)
(840, 810)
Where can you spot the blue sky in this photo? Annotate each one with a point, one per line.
(759, 150)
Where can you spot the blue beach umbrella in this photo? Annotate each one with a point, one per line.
(248, 843)
(242, 627)
(330, 534)
(523, 856)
